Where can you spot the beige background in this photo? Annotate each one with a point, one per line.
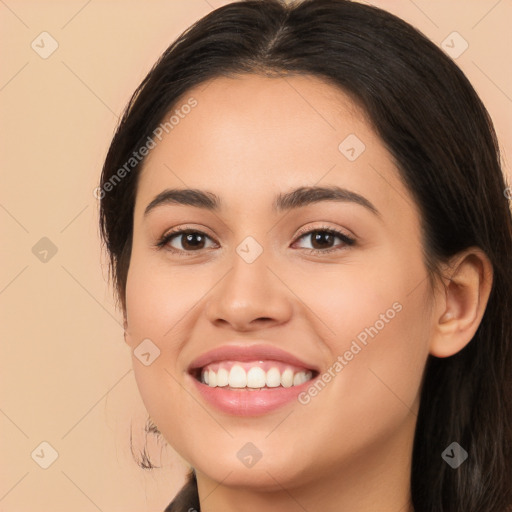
(66, 373)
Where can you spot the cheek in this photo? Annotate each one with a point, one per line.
(155, 302)
(158, 297)
(370, 389)
(376, 326)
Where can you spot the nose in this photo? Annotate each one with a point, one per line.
(249, 297)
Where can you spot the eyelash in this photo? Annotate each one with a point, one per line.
(167, 237)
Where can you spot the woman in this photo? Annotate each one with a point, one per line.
(369, 369)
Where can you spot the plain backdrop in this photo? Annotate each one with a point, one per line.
(65, 376)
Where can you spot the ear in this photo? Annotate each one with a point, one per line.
(461, 302)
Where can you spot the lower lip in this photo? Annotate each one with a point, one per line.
(245, 402)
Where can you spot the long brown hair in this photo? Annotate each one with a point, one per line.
(442, 139)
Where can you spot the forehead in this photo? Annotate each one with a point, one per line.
(250, 137)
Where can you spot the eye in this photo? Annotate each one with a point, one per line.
(190, 240)
(322, 238)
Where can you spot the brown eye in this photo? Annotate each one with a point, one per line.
(190, 240)
(323, 238)
(187, 240)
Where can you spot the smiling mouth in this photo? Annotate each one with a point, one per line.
(252, 375)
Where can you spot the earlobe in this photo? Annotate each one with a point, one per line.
(466, 293)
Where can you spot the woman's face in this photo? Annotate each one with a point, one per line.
(356, 316)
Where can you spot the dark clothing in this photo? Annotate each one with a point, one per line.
(187, 500)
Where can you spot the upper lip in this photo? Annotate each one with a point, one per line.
(246, 352)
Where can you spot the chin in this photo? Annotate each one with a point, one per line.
(265, 474)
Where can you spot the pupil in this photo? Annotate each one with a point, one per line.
(189, 237)
(321, 235)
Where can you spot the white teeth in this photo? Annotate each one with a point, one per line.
(287, 378)
(212, 379)
(298, 378)
(255, 378)
(273, 378)
(222, 377)
(237, 377)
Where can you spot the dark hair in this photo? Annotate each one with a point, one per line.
(442, 139)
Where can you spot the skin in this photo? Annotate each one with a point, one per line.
(350, 447)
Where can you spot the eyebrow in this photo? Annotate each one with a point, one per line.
(297, 198)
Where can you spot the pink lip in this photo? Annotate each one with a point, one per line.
(248, 353)
(245, 402)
